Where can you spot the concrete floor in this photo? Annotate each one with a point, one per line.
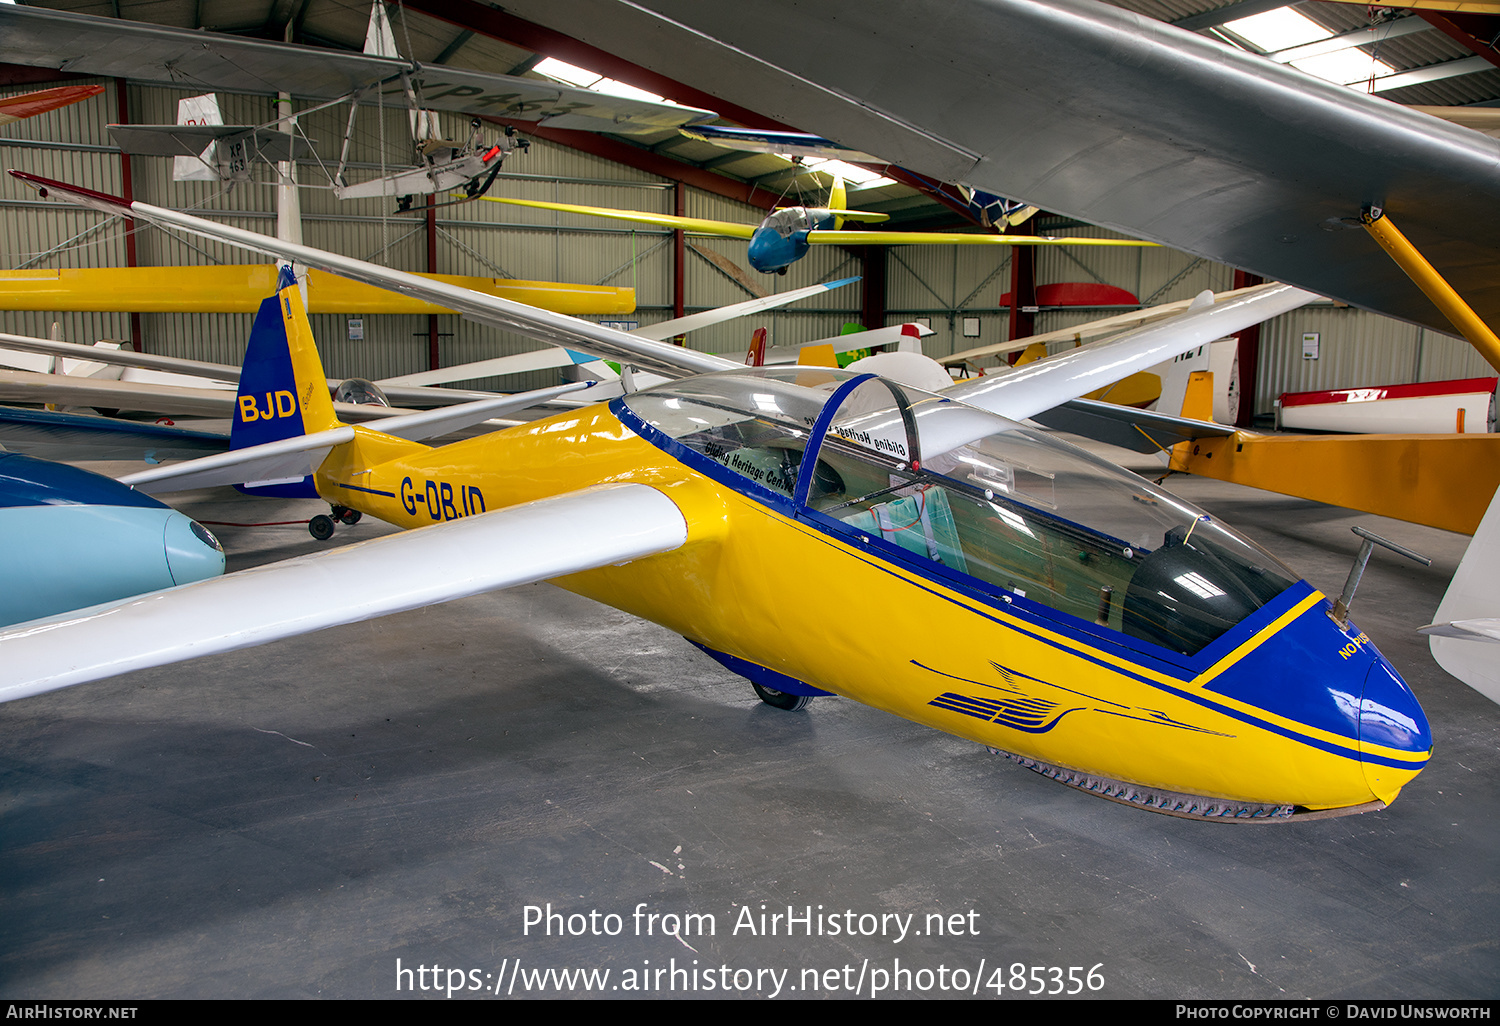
(294, 820)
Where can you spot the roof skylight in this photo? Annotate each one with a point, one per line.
(1278, 29)
(582, 77)
(857, 176)
(1285, 28)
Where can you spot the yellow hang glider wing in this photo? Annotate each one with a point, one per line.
(837, 238)
(687, 224)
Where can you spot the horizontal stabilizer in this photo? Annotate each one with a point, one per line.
(582, 530)
(190, 140)
(270, 461)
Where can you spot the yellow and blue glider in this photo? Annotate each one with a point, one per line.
(1115, 638)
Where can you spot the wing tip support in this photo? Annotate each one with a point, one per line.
(87, 197)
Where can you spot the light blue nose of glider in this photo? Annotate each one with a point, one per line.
(193, 553)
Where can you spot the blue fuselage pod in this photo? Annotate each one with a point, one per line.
(74, 538)
(781, 239)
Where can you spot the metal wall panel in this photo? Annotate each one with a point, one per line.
(1356, 349)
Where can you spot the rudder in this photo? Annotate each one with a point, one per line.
(283, 391)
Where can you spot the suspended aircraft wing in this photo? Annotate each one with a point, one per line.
(702, 225)
(819, 237)
(789, 144)
(26, 105)
(822, 237)
(209, 60)
(532, 542)
(240, 289)
(1104, 115)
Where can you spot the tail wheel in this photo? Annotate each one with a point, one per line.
(320, 527)
(781, 699)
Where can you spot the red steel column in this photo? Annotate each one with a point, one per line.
(123, 106)
(432, 319)
(679, 252)
(1022, 286)
(1249, 356)
(873, 261)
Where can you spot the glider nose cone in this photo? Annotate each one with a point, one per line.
(1393, 732)
(193, 553)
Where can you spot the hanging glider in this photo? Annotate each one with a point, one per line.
(785, 235)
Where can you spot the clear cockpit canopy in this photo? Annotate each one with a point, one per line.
(1011, 508)
(788, 221)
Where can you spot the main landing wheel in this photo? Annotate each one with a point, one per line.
(345, 515)
(781, 699)
(320, 527)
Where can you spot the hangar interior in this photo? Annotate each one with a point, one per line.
(292, 820)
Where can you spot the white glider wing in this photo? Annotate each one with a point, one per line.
(569, 533)
(1037, 387)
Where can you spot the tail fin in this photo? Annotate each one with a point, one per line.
(283, 392)
(838, 199)
(756, 357)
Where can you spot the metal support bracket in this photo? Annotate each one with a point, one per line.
(1340, 611)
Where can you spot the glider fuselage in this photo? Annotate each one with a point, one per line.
(1280, 709)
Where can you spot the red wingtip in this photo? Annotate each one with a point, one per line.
(76, 193)
(31, 104)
